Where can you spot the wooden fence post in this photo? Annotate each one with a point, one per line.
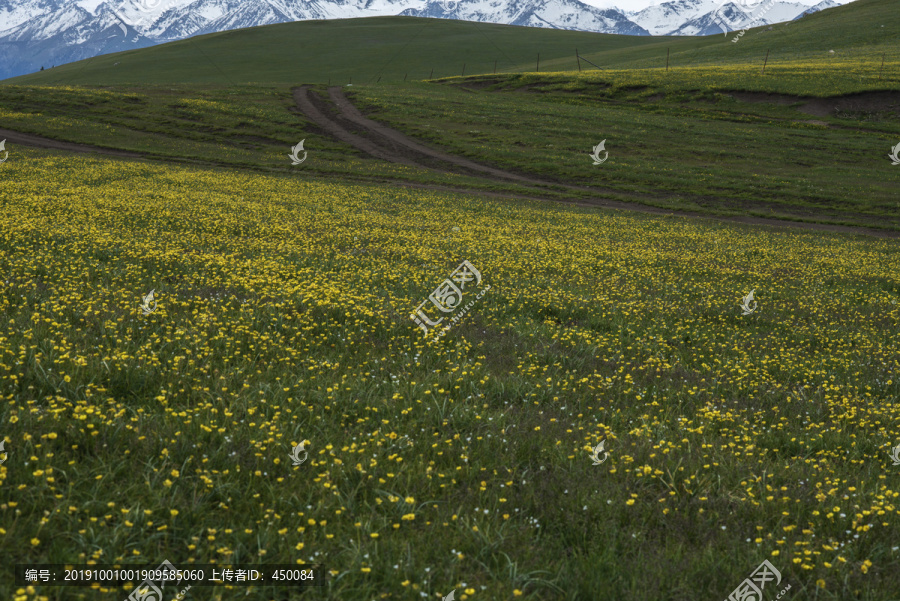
(766, 62)
(578, 60)
(464, 69)
(432, 73)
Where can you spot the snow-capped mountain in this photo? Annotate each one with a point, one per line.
(668, 16)
(36, 33)
(708, 17)
(64, 32)
(814, 9)
(555, 14)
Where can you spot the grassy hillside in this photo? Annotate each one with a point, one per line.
(314, 51)
(679, 140)
(684, 142)
(864, 29)
(396, 47)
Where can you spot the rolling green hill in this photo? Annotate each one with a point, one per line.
(361, 49)
(392, 48)
(865, 28)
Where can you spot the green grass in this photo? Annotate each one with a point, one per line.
(678, 141)
(315, 51)
(283, 315)
(284, 297)
(692, 149)
(392, 48)
(861, 29)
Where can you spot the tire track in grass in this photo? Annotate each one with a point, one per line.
(349, 125)
(14, 137)
(363, 140)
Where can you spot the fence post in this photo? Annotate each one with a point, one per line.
(882, 67)
(578, 60)
(432, 73)
(766, 62)
(404, 76)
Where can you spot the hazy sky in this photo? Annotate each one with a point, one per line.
(626, 5)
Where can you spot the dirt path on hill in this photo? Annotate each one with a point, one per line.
(14, 137)
(405, 145)
(344, 121)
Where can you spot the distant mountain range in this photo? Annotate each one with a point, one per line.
(705, 17)
(36, 33)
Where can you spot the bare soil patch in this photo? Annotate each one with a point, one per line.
(886, 101)
(14, 137)
(477, 85)
(534, 87)
(780, 99)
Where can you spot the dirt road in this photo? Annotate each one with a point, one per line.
(339, 118)
(342, 120)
